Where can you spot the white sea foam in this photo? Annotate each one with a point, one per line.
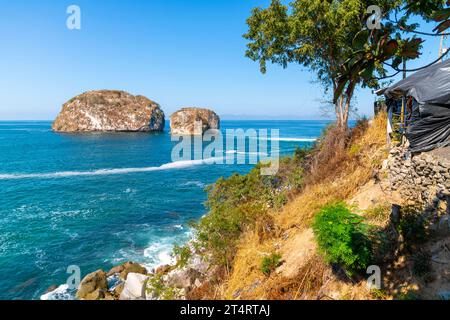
(61, 293)
(194, 183)
(105, 172)
(159, 254)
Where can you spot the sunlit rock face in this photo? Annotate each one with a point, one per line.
(193, 121)
(109, 111)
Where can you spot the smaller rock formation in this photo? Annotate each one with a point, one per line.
(93, 287)
(109, 111)
(193, 121)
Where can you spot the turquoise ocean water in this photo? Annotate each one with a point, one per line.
(98, 200)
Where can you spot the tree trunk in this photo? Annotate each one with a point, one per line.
(343, 105)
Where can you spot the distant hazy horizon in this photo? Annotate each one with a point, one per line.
(229, 117)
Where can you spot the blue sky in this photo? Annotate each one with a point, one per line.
(176, 52)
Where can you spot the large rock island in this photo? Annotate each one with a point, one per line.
(193, 121)
(109, 111)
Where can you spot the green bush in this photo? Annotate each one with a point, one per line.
(183, 254)
(155, 286)
(270, 263)
(236, 203)
(343, 238)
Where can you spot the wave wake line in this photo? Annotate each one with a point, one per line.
(105, 172)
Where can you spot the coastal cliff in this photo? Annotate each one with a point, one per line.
(271, 239)
(109, 111)
(193, 121)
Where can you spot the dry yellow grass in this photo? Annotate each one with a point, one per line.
(362, 154)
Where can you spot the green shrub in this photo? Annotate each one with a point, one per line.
(236, 203)
(155, 286)
(343, 238)
(183, 254)
(270, 263)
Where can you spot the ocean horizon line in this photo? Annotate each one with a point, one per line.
(222, 119)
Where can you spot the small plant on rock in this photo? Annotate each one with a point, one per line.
(159, 291)
(182, 254)
(270, 263)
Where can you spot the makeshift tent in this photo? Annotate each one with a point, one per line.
(429, 125)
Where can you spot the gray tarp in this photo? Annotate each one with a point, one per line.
(430, 125)
(430, 85)
(430, 128)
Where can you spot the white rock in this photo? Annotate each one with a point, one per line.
(134, 288)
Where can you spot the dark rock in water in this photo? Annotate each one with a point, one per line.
(93, 287)
(193, 121)
(109, 111)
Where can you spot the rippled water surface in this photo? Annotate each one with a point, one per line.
(97, 200)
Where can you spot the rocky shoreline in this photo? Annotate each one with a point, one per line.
(132, 281)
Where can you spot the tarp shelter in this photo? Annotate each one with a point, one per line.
(429, 125)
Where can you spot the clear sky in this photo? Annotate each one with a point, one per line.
(176, 52)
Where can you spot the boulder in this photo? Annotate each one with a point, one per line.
(124, 269)
(93, 287)
(183, 278)
(117, 291)
(163, 270)
(135, 287)
(109, 111)
(193, 121)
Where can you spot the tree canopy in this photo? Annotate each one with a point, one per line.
(331, 38)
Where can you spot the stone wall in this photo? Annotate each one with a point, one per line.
(421, 179)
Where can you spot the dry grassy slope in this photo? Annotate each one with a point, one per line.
(347, 176)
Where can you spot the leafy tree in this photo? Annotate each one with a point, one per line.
(376, 52)
(330, 37)
(316, 34)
